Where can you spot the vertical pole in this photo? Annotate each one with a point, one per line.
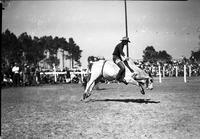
(159, 72)
(185, 74)
(126, 25)
(1, 6)
(63, 59)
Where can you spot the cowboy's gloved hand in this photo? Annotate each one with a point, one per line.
(123, 58)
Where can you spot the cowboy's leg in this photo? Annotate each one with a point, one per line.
(121, 71)
(121, 74)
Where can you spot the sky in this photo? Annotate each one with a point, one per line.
(97, 26)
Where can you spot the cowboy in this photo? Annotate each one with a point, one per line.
(118, 55)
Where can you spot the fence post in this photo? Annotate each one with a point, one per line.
(81, 74)
(185, 74)
(190, 70)
(54, 70)
(159, 72)
(176, 71)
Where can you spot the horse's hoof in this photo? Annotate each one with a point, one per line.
(149, 88)
(83, 100)
(84, 96)
(142, 92)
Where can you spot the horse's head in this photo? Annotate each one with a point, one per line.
(142, 77)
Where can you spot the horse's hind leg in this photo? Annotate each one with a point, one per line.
(88, 86)
(95, 83)
(88, 89)
(92, 86)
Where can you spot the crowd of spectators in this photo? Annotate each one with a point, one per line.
(173, 69)
(31, 75)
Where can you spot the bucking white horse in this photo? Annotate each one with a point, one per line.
(109, 70)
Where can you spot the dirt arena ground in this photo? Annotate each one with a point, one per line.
(170, 111)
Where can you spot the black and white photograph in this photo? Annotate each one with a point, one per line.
(100, 69)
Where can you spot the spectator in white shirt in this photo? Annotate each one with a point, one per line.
(16, 76)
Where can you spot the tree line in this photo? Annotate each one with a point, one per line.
(152, 56)
(31, 50)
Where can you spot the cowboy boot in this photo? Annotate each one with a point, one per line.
(121, 79)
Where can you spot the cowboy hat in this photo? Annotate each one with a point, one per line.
(125, 39)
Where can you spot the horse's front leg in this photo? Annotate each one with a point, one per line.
(134, 82)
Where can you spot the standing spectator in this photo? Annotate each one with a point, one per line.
(37, 73)
(68, 76)
(9, 71)
(26, 74)
(32, 72)
(16, 76)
